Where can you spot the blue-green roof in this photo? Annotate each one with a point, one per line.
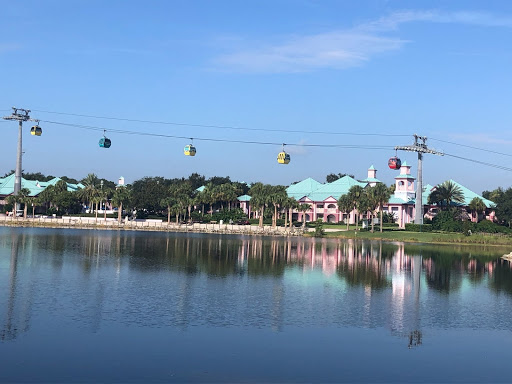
(244, 198)
(371, 180)
(409, 177)
(303, 188)
(200, 189)
(35, 187)
(470, 195)
(335, 189)
(397, 200)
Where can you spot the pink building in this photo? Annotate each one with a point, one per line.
(323, 198)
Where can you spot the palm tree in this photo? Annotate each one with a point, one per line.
(304, 208)
(276, 197)
(47, 196)
(381, 195)
(345, 205)
(121, 196)
(259, 194)
(88, 194)
(354, 194)
(445, 194)
(23, 197)
(289, 204)
(477, 205)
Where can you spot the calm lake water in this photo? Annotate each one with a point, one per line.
(107, 306)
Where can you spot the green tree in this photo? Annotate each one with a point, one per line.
(335, 176)
(120, 197)
(477, 206)
(355, 193)
(277, 195)
(380, 195)
(445, 194)
(503, 209)
(304, 207)
(345, 205)
(148, 192)
(259, 199)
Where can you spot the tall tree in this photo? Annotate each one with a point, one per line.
(445, 194)
(346, 205)
(380, 195)
(120, 197)
(335, 176)
(304, 207)
(477, 206)
(355, 193)
(259, 199)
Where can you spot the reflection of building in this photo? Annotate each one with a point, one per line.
(19, 300)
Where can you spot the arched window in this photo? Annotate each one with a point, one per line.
(331, 206)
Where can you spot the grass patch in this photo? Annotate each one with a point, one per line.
(423, 237)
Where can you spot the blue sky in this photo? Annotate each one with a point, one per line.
(436, 68)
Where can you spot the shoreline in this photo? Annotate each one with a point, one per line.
(234, 229)
(148, 225)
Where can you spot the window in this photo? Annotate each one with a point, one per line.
(320, 206)
(331, 206)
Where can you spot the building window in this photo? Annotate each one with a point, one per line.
(331, 206)
(320, 206)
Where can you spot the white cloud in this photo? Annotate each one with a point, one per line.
(342, 48)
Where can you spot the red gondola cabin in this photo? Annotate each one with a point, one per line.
(394, 163)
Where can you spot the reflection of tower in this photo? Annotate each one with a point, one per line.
(18, 307)
(277, 306)
(406, 278)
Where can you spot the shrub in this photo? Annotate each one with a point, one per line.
(418, 228)
(487, 226)
(319, 228)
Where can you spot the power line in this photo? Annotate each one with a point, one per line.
(224, 126)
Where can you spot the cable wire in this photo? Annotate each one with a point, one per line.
(472, 147)
(223, 126)
(123, 131)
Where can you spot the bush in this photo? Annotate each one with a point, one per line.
(266, 221)
(319, 228)
(447, 221)
(418, 228)
(487, 226)
(388, 218)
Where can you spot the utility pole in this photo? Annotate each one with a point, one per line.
(419, 146)
(20, 115)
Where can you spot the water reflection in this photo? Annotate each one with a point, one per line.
(182, 280)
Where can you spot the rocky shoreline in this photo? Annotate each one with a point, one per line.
(147, 225)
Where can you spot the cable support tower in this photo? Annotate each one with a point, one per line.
(20, 115)
(419, 146)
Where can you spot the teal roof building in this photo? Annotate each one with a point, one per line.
(35, 187)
